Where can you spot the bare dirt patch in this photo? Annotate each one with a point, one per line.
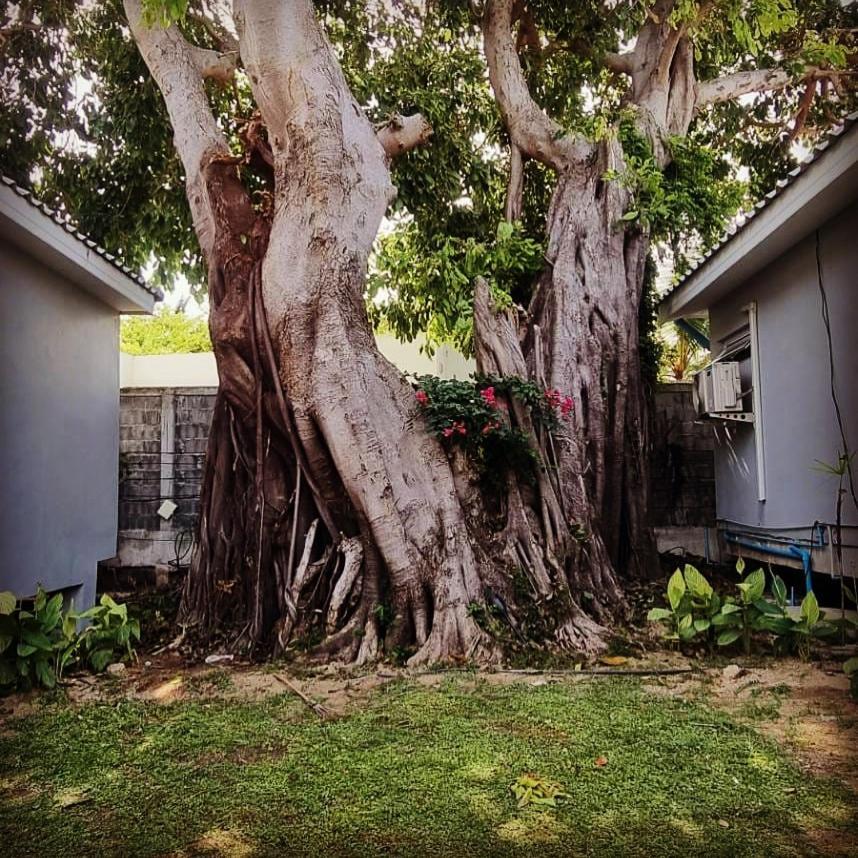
(805, 706)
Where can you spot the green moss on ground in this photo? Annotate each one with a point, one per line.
(416, 771)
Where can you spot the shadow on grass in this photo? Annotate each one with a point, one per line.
(416, 772)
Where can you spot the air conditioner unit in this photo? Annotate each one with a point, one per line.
(718, 392)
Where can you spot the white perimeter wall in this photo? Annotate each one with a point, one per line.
(199, 370)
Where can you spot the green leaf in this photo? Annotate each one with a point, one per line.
(769, 608)
(728, 636)
(100, 658)
(7, 672)
(41, 599)
(851, 666)
(714, 604)
(505, 230)
(740, 566)
(731, 608)
(755, 585)
(634, 214)
(824, 629)
(53, 612)
(686, 628)
(25, 650)
(7, 602)
(810, 609)
(777, 625)
(675, 589)
(697, 584)
(45, 674)
(37, 640)
(658, 614)
(702, 624)
(779, 590)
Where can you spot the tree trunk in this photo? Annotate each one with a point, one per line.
(325, 497)
(583, 338)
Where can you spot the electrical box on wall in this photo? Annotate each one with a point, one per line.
(718, 392)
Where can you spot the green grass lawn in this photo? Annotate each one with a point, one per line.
(415, 771)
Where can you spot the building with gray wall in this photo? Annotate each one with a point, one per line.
(781, 297)
(60, 300)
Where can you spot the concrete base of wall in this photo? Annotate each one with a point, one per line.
(691, 541)
(147, 548)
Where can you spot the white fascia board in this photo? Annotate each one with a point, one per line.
(64, 252)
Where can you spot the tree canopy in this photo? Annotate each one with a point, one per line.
(82, 121)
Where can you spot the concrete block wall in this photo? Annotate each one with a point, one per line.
(163, 435)
(193, 415)
(139, 460)
(682, 463)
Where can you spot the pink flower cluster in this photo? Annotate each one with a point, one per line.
(422, 398)
(457, 428)
(557, 400)
(488, 395)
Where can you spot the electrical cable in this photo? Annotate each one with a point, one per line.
(826, 319)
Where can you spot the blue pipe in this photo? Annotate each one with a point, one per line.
(793, 551)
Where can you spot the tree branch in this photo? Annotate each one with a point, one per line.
(198, 139)
(529, 127)
(214, 18)
(624, 63)
(216, 65)
(515, 185)
(403, 133)
(732, 86)
(308, 108)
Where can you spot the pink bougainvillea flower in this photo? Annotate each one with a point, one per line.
(566, 406)
(447, 432)
(459, 427)
(421, 397)
(489, 427)
(488, 396)
(553, 396)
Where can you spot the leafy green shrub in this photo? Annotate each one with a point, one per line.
(32, 642)
(811, 623)
(693, 605)
(167, 332)
(695, 609)
(108, 636)
(739, 617)
(37, 645)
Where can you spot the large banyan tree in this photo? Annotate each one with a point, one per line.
(539, 149)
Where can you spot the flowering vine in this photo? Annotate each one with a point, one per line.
(473, 415)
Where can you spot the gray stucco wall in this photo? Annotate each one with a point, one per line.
(59, 430)
(798, 416)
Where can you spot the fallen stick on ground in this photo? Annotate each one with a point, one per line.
(533, 671)
(596, 671)
(320, 710)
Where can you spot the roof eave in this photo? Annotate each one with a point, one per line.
(70, 255)
(817, 192)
